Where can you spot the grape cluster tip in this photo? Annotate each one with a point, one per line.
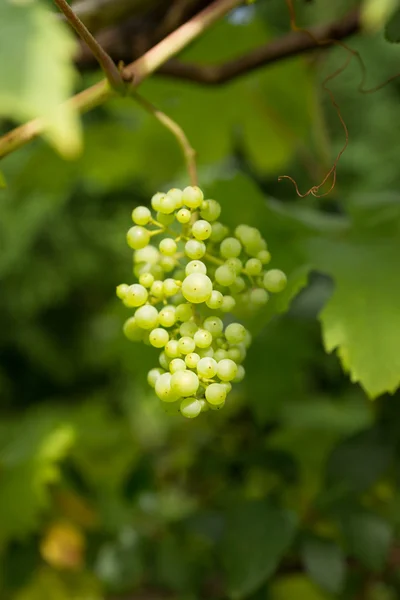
(189, 281)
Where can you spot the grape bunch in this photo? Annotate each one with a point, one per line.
(196, 274)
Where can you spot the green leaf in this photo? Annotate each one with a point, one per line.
(3, 183)
(362, 319)
(325, 563)
(295, 587)
(369, 538)
(392, 29)
(257, 536)
(38, 75)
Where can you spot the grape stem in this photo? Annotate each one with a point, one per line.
(214, 259)
(189, 152)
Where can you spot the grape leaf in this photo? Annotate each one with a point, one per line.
(362, 318)
(325, 563)
(34, 81)
(369, 538)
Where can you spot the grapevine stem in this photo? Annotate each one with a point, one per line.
(214, 259)
(189, 152)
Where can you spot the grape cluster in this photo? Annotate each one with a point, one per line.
(196, 274)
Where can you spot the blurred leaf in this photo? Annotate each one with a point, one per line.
(34, 82)
(52, 585)
(392, 30)
(296, 587)
(369, 538)
(264, 529)
(325, 563)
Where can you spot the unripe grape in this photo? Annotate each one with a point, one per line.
(146, 280)
(220, 354)
(167, 263)
(157, 289)
(172, 349)
(207, 367)
(203, 338)
(141, 215)
(180, 274)
(247, 339)
(184, 383)
(137, 237)
(195, 266)
(210, 210)
(228, 304)
(136, 295)
(197, 288)
(190, 408)
(164, 360)
(227, 369)
(153, 375)
(235, 264)
(215, 393)
(148, 254)
(170, 287)
(225, 276)
(230, 248)
(238, 285)
(227, 385)
(235, 333)
(132, 330)
(219, 232)
(204, 405)
(147, 316)
(191, 360)
(183, 216)
(240, 374)
(156, 200)
(158, 337)
(166, 205)
(122, 290)
(192, 196)
(167, 246)
(237, 353)
(163, 388)
(177, 364)
(186, 345)
(183, 312)
(176, 194)
(167, 316)
(195, 249)
(264, 256)
(258, 297)
(215, 300)
(201, 230)
(214, 325)
(275, 280)
(188, 329)
(165, 219)
(253, 266)
(157, 272)
(205, 352)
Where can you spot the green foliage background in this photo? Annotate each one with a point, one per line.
(290, 492)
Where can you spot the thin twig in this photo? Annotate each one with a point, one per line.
(189, 152)
(105, 61)
(136, 72)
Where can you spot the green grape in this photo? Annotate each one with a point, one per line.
(210, 210)
(191, 360)
(204, 405)
(195, 266)
(235, 333)
(167, 316)
(227, 385)
(219, 232)
(205, 352)
(141, 215)
(207, 367)
(228, 304)
(238, 285)
(230, 248)
(235, 264)
(157, 289)
(186, 345)
(170, 287)
(201, 230)
(184, 383)
(225, 276)
(177, 364)
(122, 290)
(172, 349)
(236, 353)
(137, 237)
(220, 354)
(164, 389)
(215, 300)
(184, 312)
(153, 375)
(146, 280)
(158, 337)
(176, 195)
(147, 317)
(275, 280)
(132, 330)
(190, 408)
(227, 369)
(165, 219)
(192, 196)
(215, 393)
(259, 297)
(183, 216)
(253, 266)
(239, 375)
(156, 200)
(166, 204)
(148, 254)
(247, 339)
(195, 249)
(214, 325)
(197, 288)
(203, 338)
(136, 295)
(264, 256)
(167, 263)
(188, 329)
(167, 246)
(157, 272)
(164, 361)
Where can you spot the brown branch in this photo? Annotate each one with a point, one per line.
(105, 61)
(292, 44)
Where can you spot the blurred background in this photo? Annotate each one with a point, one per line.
(291, 491)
